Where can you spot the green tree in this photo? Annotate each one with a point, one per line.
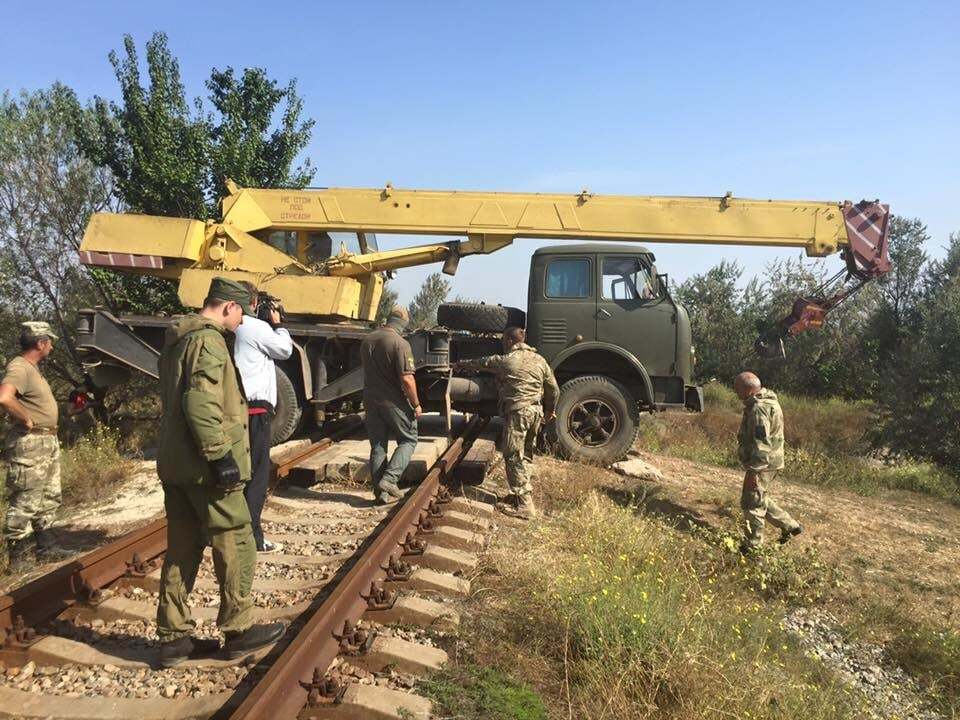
(387, 300)
(48, 191)
(170, 155)
(423, 309)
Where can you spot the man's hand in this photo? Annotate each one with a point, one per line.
(417, 412)
(225, 471)
(274, 316)
(550, 417)
(28, 424)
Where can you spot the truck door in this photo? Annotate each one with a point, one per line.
(560, 302)
(634, 312)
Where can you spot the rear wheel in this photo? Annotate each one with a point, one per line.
(597, 420)
(288, 410)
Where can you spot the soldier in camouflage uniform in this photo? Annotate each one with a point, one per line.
(760, 450)
(203, 461)
(31, 448)
(525, 380)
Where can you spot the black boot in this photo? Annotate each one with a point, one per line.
(254, 637)
(786, 535)
(186, 647)
(21, 554)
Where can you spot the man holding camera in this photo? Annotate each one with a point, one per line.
(259, 342)
(31, 449)
(203, 462)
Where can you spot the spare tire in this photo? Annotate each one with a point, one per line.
(478, 317)
(288, 411)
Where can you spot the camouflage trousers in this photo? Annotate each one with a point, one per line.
(197, 516)
(33, 483)
(520, 429)
(758, 507)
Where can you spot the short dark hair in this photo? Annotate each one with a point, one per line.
(29, 341)
(213, 303)
(515, 334)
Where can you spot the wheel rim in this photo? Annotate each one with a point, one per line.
(592, 422)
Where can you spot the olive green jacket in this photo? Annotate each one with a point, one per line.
(204, 406)
(760, 440)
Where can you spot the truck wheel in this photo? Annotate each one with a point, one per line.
(288, 410)
(478, 317)
(597, 420)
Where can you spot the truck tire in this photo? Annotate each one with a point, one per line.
(597, 420)
(288, 411)
(478, 317)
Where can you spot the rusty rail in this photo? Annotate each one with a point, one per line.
(291, 459)
(283, 690)
(80, 580)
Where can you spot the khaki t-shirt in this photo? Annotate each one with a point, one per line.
(386, 357)
(33, 392)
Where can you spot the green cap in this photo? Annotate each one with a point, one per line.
(222, 288)
(38, 328)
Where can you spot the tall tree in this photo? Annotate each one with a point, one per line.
(387, 300)
(170, 155)
(423, 309)
(47, 193)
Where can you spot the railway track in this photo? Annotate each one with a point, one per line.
(80, 642)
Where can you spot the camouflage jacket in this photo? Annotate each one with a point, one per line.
(204, 407)
(760, 440)
(524, 377)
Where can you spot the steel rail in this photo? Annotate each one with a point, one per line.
(281, 692)
(286, 462)
(79, 580)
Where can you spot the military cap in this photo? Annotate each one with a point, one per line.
(222, 288)
(38, 328)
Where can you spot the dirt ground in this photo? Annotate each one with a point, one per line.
(900, 550)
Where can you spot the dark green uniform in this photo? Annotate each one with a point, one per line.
(204, 419)
(760, 450)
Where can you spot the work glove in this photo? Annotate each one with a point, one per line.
(225, 471)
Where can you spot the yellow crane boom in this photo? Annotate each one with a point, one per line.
(348, 285)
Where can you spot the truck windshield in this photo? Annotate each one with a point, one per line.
(627, 278)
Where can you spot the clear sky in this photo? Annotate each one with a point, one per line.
(832, 100)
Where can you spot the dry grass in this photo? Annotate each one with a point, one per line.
(824, 438)
(94, 466)
(609, 613)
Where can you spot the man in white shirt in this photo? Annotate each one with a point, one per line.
(258, 344)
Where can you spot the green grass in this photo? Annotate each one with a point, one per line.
(471, 691)
(824, 438)
(637, 620)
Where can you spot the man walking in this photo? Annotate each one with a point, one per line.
(760, 450)
(525, 380)
(257, 345)
(203, 462)
(390, 402)
(31, 449)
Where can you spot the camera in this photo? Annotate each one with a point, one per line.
(266, 304)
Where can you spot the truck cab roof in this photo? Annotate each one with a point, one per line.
(594, 248)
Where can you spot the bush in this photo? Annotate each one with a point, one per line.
(93, 466)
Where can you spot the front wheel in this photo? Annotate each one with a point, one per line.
(597, 420)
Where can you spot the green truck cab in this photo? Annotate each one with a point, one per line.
(618, 344)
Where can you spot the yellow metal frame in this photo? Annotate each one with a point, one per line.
(349, 285)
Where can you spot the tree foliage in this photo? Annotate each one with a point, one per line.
(170, 155)
(423, 308)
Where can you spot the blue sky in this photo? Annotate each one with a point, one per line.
(814, 100)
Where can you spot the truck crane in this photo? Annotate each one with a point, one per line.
(598, 310)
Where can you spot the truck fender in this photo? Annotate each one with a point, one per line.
(626, 355)
(306, 372)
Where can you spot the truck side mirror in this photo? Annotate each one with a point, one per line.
(664, 282)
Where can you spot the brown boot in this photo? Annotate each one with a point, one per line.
(522, 509)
